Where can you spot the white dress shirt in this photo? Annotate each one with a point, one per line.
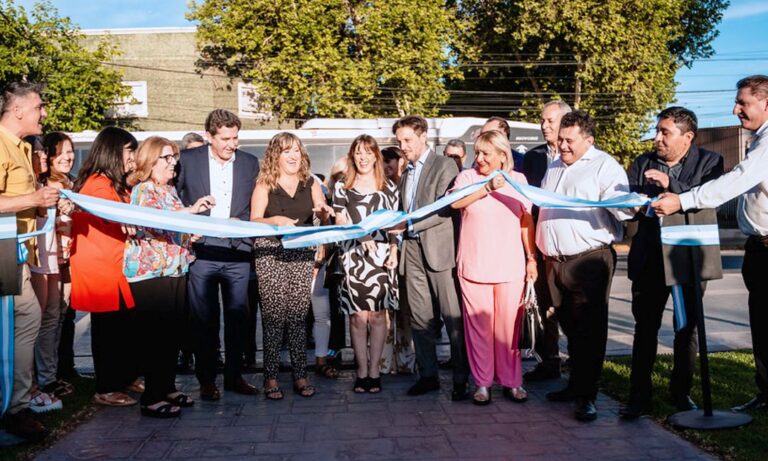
(566, 232)
(748, 180)
(552, 154)
(221, 177)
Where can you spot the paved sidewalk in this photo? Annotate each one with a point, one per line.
(338, 424)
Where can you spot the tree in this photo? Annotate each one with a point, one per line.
(42, 47)
(616, 59)
(334, 58)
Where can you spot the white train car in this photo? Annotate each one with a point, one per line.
(328, 139)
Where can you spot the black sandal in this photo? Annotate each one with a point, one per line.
(162, 412)
(327, 371)
(361, 385)
(374, 385)
(305, 391)
(269, 393)
(181, 400)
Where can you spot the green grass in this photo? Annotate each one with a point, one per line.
(77, 408)
(733, 383)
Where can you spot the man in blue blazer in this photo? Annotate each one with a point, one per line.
(229, 175)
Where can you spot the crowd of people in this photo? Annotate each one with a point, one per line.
(154, 294)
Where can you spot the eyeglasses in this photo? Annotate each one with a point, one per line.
(170, 158)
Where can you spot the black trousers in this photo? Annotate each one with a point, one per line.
(547, 346)
(159, 309)
(580, 288)
(755, 262)
(649, 297)
(113, 345)
(249, 348)
(338, 338)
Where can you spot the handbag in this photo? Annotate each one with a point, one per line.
(531, 328)
(334, 271)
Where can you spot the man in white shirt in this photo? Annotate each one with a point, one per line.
(579, 258)
(229, 175)
(748, 181)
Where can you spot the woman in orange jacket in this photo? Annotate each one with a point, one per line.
(96, 264)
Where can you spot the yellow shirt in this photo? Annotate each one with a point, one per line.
(18, 178)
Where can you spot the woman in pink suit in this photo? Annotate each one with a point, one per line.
(496, 256)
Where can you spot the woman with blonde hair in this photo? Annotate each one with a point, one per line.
(286, 194)
(496, 255)
(370, 287)
(155, 262)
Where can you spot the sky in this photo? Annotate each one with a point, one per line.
(707, 87)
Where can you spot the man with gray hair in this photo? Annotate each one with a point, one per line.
(191, 140)
(457, 150)
(535, 165)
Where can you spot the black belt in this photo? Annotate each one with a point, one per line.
(759, 239)
(565, 258)
(408, 237)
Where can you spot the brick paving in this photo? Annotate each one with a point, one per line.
(338, 424)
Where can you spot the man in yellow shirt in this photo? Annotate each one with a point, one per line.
(22, 112)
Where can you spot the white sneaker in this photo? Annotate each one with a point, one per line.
(43, 403)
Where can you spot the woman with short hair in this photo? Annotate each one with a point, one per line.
(155, 263)
(496, 255)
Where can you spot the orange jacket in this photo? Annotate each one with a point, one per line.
(96, 263)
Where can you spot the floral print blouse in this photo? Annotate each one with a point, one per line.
(153, 252)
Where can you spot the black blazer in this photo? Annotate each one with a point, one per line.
(700, 166)
(535, 165)
(194, 182)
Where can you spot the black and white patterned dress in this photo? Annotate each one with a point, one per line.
(368, 285)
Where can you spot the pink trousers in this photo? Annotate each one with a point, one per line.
(492, 320)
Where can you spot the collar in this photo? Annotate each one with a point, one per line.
(762, 130)
(588, 155)
(422, 159)
(15, 139)
(679, 163)
(212, 158)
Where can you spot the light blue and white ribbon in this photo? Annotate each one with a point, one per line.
(547, 199)
(692, 235)
(8, 229)
(299, 237)
(6, 351)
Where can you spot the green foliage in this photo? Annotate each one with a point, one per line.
(334, 58)
(615, 59)
(42, 47)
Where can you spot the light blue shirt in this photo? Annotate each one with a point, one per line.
(412, 183)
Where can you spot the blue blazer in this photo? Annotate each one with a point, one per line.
(194, 182)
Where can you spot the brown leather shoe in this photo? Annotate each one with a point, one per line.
(241, 386)
(24, 424)
(209, 392)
